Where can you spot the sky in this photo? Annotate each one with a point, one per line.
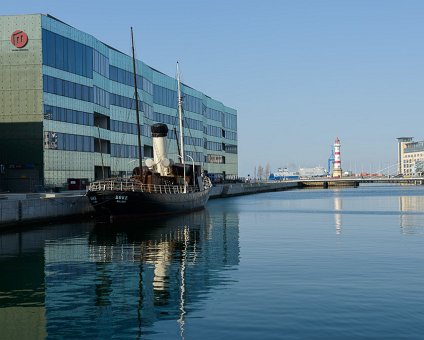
(299, 73)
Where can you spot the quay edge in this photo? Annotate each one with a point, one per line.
(17, 209)
(238, 189)
(328, 184)
(31, 208)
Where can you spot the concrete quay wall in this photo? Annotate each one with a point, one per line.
(238, 189)
(16, 211)
(328, 184)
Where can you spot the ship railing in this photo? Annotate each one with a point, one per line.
(129, 185)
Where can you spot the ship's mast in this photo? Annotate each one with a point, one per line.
(140, 158)
(180, 118)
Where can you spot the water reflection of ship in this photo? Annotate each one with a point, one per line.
(411, 217)
(159, 272)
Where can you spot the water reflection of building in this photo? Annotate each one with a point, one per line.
(128, 277)
(411, 217)
(21, 294)
(22, 290)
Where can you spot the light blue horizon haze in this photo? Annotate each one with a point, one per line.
(299, 73)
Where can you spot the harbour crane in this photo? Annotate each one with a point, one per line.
(330, 161)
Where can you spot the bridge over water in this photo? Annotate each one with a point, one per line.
(356, 181)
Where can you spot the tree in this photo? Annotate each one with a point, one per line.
(260, 172)
(267, 170)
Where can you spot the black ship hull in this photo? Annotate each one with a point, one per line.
(135, 203)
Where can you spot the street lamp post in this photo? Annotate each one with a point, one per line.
(134, 160)
(194, 178)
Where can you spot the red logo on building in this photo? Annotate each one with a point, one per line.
(19, 39)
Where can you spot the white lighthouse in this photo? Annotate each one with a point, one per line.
(337, 170)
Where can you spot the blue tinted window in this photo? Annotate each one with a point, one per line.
(89, 61)
(73, 142)
(125, 77)
(51, 49)
(67, 89)
(59, 51)
(62, 115)
(45, 84)
(71, 56)
(101, 97)
(100, 64)
(60, 141)
(78, 58)
(78, 91)
(50, 84)
(67, 55)
(164, 96)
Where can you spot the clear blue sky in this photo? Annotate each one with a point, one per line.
(300, 73)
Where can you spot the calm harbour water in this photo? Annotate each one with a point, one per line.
(304, 264)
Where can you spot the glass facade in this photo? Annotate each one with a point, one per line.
(67, 54)
(124, 151)
(61, 114)
(68, 142)
(68, 89)
(164, 96)
(87, 108)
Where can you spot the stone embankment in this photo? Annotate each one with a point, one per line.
(21, 208)
(27, 208)
(238, 189)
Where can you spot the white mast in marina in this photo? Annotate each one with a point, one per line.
(180, 118)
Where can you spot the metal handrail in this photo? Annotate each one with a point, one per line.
(130, 185)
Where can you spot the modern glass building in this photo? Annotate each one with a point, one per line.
(67, 109)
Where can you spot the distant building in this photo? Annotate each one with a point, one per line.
(67, 109)
(317, 171)
(410, 157)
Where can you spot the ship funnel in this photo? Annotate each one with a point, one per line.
(159, 133)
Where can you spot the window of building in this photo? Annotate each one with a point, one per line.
(164, 96)
(67, 115)
(123, 151)
(101, 97)
(101, 121)
(125, 77)
(68, 142)
(230, 148)
(217, 159)
(66, 54)
(65, 88)
(214, 146)
(213, 114)
(100, 64)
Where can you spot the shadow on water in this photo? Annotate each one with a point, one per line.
(114, 279)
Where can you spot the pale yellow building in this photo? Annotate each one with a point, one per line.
(410, 157)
